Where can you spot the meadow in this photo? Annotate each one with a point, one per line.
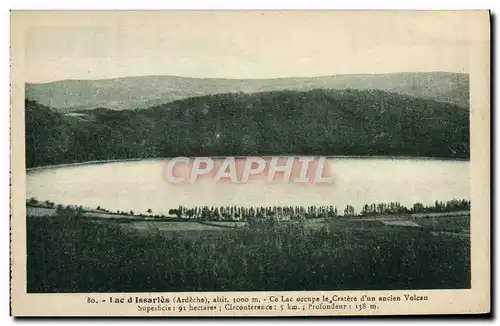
(69, 253)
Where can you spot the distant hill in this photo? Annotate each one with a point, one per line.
(317, 122)
(143, 92)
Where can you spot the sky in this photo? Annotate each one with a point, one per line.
(252, 44)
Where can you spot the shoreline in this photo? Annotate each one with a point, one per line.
(63, 165)
(361, 157)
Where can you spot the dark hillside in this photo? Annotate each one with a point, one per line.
(317, 122)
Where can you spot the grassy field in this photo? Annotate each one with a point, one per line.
(456, 224)
(227, 224)
(172, 229)
(447, 223)
(71, 254)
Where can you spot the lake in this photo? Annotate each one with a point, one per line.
(140, 185)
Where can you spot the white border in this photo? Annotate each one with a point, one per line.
(185, 4)
(255, 4)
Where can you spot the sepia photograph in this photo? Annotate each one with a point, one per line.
(195, 163)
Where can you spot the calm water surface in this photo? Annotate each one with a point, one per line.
(139, 185)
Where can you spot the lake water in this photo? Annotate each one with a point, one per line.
(140, 185)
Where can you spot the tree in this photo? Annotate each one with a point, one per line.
(418, 208)
(349, 210)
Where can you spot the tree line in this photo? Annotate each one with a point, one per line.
(245, 213)
(241, 213)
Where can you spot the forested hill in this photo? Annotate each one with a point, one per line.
(317, 122)
(143, 92)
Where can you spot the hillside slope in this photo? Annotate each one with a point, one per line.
(317, 122)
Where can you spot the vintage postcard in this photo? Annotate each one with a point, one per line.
(250, 163)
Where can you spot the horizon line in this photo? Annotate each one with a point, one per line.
(245, 78)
